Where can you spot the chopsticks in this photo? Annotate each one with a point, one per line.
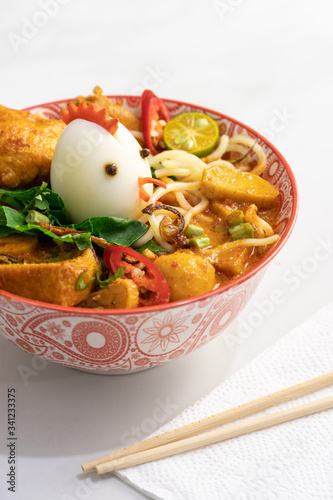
(199, 434)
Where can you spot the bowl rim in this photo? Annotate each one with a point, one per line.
(170, 305)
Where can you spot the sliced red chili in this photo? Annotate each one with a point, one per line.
(152, 109)
(153, 280)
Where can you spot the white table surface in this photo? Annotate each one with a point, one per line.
(266, 63)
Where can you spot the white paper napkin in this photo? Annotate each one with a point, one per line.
(293, 460)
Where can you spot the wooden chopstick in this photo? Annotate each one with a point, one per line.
(217, 435)
(216, 420)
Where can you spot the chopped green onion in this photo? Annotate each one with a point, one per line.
(234, 218)
(193, 230)
(34, 217)
(241, 231)
(199, 242)
(81, 284)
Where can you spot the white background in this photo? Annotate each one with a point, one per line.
(254, 60)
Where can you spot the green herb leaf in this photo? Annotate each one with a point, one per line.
(11, 217)
(41, 202)
(104, 283)
(120, 231)
(81, 284)
(13, 202)
(12, 221)
(40, 198)
(34, 196)
(82, 240)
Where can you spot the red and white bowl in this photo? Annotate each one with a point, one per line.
(126, 341)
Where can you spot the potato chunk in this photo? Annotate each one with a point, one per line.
(187, 274)
(27, 144)
(229, 261)
(53, 282)
(220, 183)
(121, 294)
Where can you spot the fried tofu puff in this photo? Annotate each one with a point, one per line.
(128, 119)
(27, 143)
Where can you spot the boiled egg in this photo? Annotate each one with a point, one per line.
(96, 173)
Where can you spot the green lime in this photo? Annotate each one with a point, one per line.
(193, 132)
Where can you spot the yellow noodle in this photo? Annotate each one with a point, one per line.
(250, 242)
(244, 168)
(182, 186)
(144, 239)
(155, 227)
(222, 163)
(262, 227)
(182, 200)
(193, 196)
(248, 141)
(185, 208)
(176, 186)
(220, 150)
(181, 156)
(177, 172)
(237, 148)
(196, 209)
(190, 169)
(178, 163)
(180, 197)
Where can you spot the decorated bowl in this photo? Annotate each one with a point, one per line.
(129, 340)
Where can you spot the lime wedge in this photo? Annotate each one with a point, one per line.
(195, 133)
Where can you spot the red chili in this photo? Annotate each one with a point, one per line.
(152, 109)
(153, 280)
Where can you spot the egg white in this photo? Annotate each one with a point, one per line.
(78, 172)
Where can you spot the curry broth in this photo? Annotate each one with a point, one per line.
(214, 223)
